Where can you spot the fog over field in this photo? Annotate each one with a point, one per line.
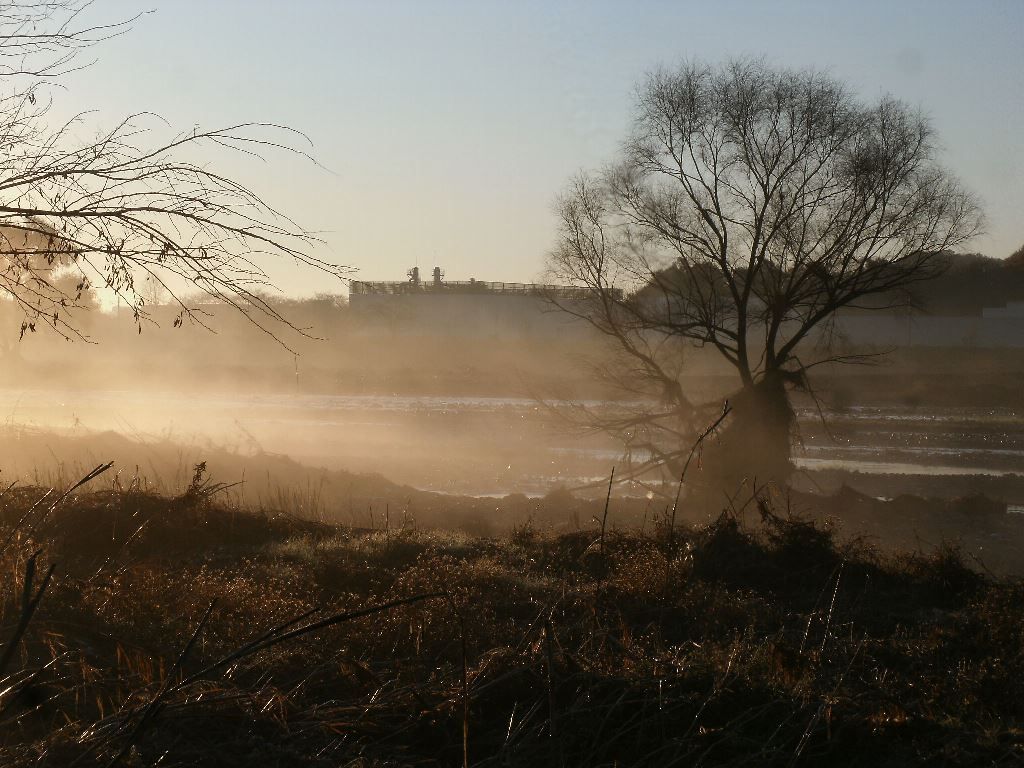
(473, 410)
(499, 385)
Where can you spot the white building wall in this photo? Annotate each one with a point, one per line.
(465, 314)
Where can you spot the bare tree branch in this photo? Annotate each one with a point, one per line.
(750, 205)
(126, 205)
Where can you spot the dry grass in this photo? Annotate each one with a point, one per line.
(178, 631)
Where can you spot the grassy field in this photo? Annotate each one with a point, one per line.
(182, 630)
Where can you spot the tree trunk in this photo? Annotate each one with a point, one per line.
(756, 442)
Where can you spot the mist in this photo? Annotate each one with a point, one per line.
(465, 399)
(476, 385)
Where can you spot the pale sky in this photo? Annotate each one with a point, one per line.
(449, 128)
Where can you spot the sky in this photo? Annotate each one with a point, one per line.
(445, 130)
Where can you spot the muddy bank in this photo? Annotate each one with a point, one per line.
(1007, 489)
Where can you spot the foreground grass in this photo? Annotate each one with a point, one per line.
(178, 632)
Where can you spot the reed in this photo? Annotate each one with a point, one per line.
(184, 629)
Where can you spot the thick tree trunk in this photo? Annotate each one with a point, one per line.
(756, 442)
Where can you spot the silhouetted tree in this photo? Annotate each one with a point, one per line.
(749, 205)
(117, 210)
(1016, 258)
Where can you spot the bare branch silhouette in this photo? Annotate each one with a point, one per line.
(748, 207)
(125, 205)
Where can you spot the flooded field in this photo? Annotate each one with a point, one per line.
(933, 441)
(496, 446)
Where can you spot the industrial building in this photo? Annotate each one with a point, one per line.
(465, 308)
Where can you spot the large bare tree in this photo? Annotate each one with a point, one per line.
(749, 205)
(125, 206)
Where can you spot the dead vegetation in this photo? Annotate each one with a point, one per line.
(182, 631)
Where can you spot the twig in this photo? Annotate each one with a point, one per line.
(698, 443)
(152, 708)
(607, 501)
(465, 691)
(29, 604)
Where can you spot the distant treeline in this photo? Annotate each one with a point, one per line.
(972, 282)
(327, 347)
